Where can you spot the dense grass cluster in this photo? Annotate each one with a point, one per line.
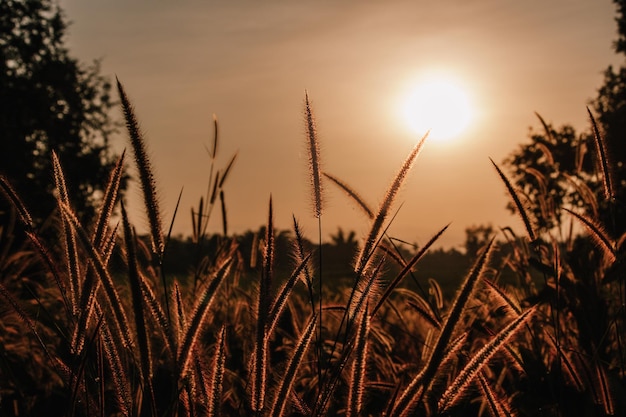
(92, 325)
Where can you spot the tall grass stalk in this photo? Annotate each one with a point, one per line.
(29, 228)
(137, 296)
(217, 376)
(365, 254)
(358, 371)
(521, 209)
(315, 172)
(71, 249)
(260, 354)
(602, 152)
(119, 375)
(146, 176)
(383, 211)
(314, 157)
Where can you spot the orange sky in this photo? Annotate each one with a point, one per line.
(250, 62)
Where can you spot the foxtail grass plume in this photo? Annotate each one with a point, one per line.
(603, 159)
(10, 194)
(217, 377)
(498, 406)
(598, 234)
(480, 359)
(143, 341)
(71, 250)
(518, 203)
(108, 201)
(549, 135)
(121, 383)
(314, 157)
(102, 272)
(198, 320)
(287, 381)
(146, 176)
(383, 211)
(352, 194)
(261, 349)
(357, 374)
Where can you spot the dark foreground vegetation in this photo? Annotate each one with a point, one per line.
(94, 324)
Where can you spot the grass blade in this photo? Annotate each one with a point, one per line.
(227, 170)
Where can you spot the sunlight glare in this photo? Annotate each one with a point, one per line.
(439, 104)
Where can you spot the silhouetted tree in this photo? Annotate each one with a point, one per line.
(50, 102)
(338, 256)
(559, 166)
(554, 170)
(610, 105)
(475, 238)
(340, 239)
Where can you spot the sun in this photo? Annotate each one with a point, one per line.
(439, 104)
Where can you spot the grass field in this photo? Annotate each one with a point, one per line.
(91, 324)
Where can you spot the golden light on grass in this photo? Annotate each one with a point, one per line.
(439, 103)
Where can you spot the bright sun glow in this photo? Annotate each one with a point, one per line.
(439, 104)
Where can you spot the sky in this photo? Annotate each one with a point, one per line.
(249, 63)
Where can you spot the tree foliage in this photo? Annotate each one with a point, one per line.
(554, 170)
(49, 101)
(559, 166)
